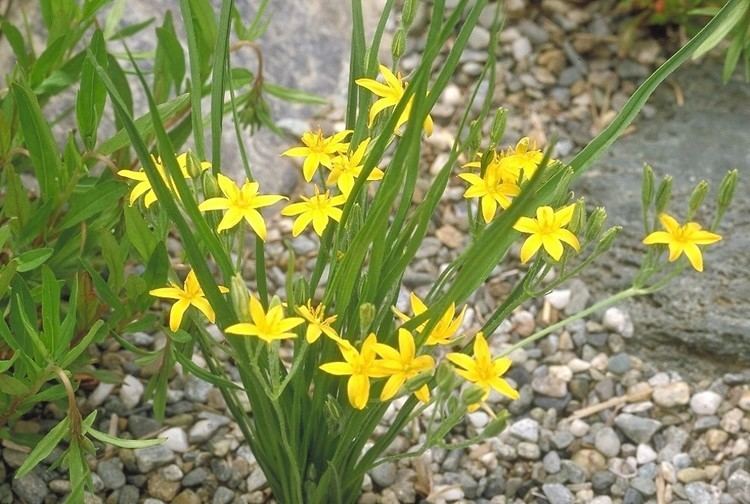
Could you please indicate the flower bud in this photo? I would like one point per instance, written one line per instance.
(240, 297)
(472, 395)
(697, 197)
(445, 377)
(578, 221)
(193, 165)
(496, 425)
(607, 239)
(498, 125)
(663, 194)
(415, 383)
(366, 316)
(726, 190)
(595, 223)
(210, 186)
(487, 158)
(409, 12)
(647, 186)
(475, 136)
(398, 46)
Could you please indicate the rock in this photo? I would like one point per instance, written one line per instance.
(636, 428)
(645, 454)
(128, 495)
(558, 298)
(256, 480)
(479, 38)
(205, 428)
(738, 486)
(521, 49)
(551, 462)
(715, 439)
(152, 457)
(131, 391)
(590, 461)
(550, 386)
(223, 495)
(619, 321)
(607, 442)
(645, 486)
(528, 451)
(111, 473)
(161, 488)
(702, 493)
(579, 428)
(197, 390)
(384, 475)
(196, 477)
(671, 395)
(526, 429)
(619, 363)
(100, 394)
(744, 402)
(684, 315)
(632, 496)
(557, 494)
(450, 236)
(705, 403)
(187, 497)
(176, 439)
(142, 426)
(172, 472)
(30, 488)
(732, 420)
(601, 481)
(691, 474)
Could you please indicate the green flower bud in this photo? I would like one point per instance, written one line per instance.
(475, 136)
(578, 221)
(210, 186)
(409, 12)
(496, 425)
(445, 377)
(398, 46)
(498, 125)
(415, 383)
(697, 197)
(193, 165)
(663, 194)
(240, 297)
(366, 316)
(647, 186)
(487, 158)
(726, 190)
(595, 223)
(472, 395)
(607, 239)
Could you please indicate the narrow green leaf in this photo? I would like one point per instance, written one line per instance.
(39, 141)
(218, 86)
(194, 57)
(50, 307)
(293, 95)
(32, 259)
(42, 449)
(131, 30)
(123, 443)
(112, 21)
(732, 14)
(82, 345)
(50, 60)
(15, 39)
(6, 275)
(139, 234)
(203, 374)
(173, 52)
(12, 385)
(91, 93)
(93, 201)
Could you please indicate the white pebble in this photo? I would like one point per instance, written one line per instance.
(619, 321)
(645, 454)
(558, 298)
(705, 403)
(131, 391)
(176, 439)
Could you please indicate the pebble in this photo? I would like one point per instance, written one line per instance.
(632, 496)
(100, 394)
(619, 363)
(521, 49)
(690, 474)
(638, 429)
(550, 385)
(702, 493)
(205, 428)
(30, 488)
(161, 488)
(705, 403)
(187, 497)
(738, 486)
(579, 428)
(195, 477)
(384, 475)
(152, 457)
(256, 480)
(223, 495)
(645, 454)
(558, 298)
(479, 38)
(618, 320)
(671, 395)
(601, 481)
(551, 462)
(529, 451)
(526, 429)
(111, 473)
(176, 439)
(131, 391)
(607, 442)
(732, 421)
(557, 493)
(744, 402)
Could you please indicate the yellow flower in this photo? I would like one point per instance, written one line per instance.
(190, 294)
(143, 187)
(682, 239)
(492, 190)
(318, 150)
(347, 167)
(547, 230)
(494, 166)
(446, 327)
(361, 366)
(525, 157)
(483, 370)
(402, 365)
(317, 322)
(390, 94)
(240, 203)
(268, 326)
(318, 209)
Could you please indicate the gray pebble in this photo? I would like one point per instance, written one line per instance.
(607, 442)
(384, 475)
(551, 462)
(636, 428)
(30, 488)
(702, 493)
(528, 451)
(195, 477)
(111, 473)
(601, 481)
(526, 429)
(222, 495)
(152, 457)
(632, 496)
(738, 486)
(619, 363)
(128, 495)
(557, 493)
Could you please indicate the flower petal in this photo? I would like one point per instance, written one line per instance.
(693, 254)
(176, 313)
(358, 390)
(530, 247)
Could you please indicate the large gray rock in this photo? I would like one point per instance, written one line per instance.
(698, 313)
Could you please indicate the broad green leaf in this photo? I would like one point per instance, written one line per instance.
(32, 259)
(173, 52)
(139, 233)
(145, 125)
(91, 93)
(42, 450)
(15, 39)
(123, 443)
(6, 275)
(50, 60)
(4, 235)
(161, 71)
(12, 385)
(92, 201)
(16, 205)
(157, 268)
(112, 21)
(39, 141)
(6, 364)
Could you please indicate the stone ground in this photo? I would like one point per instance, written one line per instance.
(607, 414)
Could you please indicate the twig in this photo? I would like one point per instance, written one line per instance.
(615, 401)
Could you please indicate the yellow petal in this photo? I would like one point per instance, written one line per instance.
(176, 313)
(658, 237)
(257, 314)
(701, 237)
(563, 216)
(214, 204)
(489, 207)
(337, 368)
(569, 238)
(481, 348)
(462, 360)
(255, 219)
(300, 223)
(358, 389)
(295, 208)
(203, 305)
(693, 254)
(406, 344)
(242, 329)
(167, 292)
(230, 219)
(227, 186)
(391, 387)
(526, 225)
(296, 152)
(553, 246)
(504, 388)
(669, 223)
(377, 88)
(530, 247)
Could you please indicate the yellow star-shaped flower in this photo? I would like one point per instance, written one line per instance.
(682, 239)
(318, 209)
(317, 322)
(390, 94)
(446, 327)
(547, 231)
(402, 365)
(240, 203)
(346, 168)
(318, 150)
(190, 294)
(268, 326)
(492, 191)
(143, 187)
(483, 370)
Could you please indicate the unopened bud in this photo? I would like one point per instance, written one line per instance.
(607, 239)
(647, 186)
(595, 223)
(240, 297)
(475, 136)
(210, 186)
(409, 12)
(726, 190)
(663, 194)
(193, 165)
(445, 377)
(562, 186)
(578, 221)
(487, 158)
(398, 46)
(366, 316)
(697, 197)
(415, 383)
(472, 395)
(498, 125)
(496, 426)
